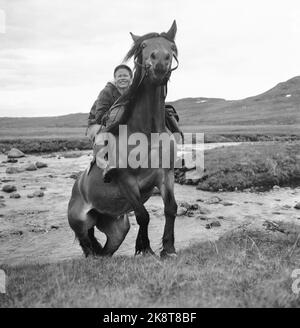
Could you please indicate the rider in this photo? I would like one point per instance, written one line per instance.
(111, 93)
(107, 97)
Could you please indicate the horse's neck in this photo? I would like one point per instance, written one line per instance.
(149, 110)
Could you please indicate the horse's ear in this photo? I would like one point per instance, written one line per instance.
(134, 37)
(172, 31)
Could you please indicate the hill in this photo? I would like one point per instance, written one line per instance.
(274, 111)
(279, 105)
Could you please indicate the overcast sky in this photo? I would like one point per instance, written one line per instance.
(55, 56)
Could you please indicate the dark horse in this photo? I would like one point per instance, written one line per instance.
(105, 205)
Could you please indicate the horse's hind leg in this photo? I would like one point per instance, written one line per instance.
(115, 230)
(166, 188)
(82, 221)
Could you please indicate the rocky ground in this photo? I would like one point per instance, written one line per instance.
(35, 190)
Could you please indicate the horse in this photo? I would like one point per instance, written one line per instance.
(106, 205)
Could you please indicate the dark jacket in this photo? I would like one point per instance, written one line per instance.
(105, 100)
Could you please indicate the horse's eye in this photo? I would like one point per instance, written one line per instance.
(143, 45)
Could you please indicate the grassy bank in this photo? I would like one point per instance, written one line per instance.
(249, 166)
(47, 143)
(243, 269)
(44, 145)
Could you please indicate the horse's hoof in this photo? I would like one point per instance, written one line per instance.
(164, 254)
(145, 252)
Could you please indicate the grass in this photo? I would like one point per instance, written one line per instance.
(52, 139)
(245, 166)
(244, 268)
(44, 145)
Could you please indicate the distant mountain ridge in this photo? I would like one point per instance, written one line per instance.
(279, 105)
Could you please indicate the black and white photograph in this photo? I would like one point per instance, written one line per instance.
(149, 157)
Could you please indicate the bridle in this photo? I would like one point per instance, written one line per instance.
(146, 67)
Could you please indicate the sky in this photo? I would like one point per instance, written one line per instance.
(56, 56)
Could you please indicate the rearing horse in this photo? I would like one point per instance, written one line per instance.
(105, 205)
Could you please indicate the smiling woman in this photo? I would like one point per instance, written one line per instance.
(107, 97)
(123, 77)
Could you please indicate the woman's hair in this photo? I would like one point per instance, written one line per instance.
(125, 67)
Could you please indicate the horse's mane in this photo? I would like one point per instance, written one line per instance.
(129, 97)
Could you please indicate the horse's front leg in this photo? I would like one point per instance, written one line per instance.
(129, 188)
(166, 187)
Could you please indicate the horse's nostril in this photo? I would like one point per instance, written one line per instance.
(168, 57)
(153, 55)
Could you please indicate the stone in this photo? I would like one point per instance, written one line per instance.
(181, 211)
(276, 187)
(40, 165)
(213, 224)
(202, 217)
(17, 232)
(225, 203)
(13, 170)
(15, 153)
(9, 188)
(12, 160)
(194, 207)
(15, 195)
(297, 206)
(213, 200)
(43, 188)
(72, 155)
(31, 167)
(204, 210)
(54, 227)
(38, 193)
(185, 204)
(7, 180)
(190, 207)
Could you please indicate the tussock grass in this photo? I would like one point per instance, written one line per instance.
(243, 269)
(251, 165)
(44, 145)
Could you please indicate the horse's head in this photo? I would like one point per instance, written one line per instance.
(154, 53)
